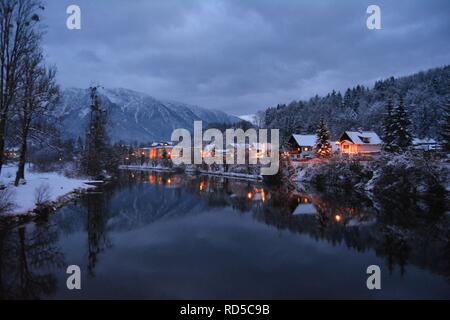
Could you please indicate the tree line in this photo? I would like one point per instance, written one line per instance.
(425, 96)
(29, 94)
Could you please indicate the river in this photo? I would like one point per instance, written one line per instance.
(164, 236)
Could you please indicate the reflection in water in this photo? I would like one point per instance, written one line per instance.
(32, 265)
(28, 255)
(95, 228)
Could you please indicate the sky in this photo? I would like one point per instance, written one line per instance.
(241, 56)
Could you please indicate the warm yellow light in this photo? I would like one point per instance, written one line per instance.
(169, 181)
(263, 196)
(338, 218)
(249, 195)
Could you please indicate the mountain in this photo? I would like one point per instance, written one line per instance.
(249, 118)
(425, 94)
(132, 116)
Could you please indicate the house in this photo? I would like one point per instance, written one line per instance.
(425, 144)
(302, 146)
(361, 143)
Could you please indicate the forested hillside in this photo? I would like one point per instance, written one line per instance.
(425, 95)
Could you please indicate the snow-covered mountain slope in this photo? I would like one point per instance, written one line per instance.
(248, 117)
(133, 116)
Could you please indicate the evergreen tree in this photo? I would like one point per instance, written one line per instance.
(96, 153)
(445, 133)
(323, 146)
(403, 138)
(388, 128)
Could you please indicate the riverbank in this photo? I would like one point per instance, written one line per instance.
(146, 168)
(52, 188)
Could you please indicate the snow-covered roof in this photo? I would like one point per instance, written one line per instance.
(417, 141)
(305, 140)
(363, 137)
(161, 144)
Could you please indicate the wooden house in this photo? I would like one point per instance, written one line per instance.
(301, 146)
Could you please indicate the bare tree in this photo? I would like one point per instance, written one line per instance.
(38, 95)
(18, 20)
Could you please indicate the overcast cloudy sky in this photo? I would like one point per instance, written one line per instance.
(241, 56)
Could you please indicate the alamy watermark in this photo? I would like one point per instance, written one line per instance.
(374, 20)
(238, 147)
(73, 22)
(74, 280)
(374, 280)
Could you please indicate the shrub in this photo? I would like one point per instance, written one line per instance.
(341, 173)
(408, 174)
(42, 194)
(6, 200)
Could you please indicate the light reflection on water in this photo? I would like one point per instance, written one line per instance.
(175, 236)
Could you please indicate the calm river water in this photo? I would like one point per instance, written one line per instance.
(159, 236)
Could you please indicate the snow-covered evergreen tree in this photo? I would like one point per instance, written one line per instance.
(323, 146)
(388, 128)
(445, 134)
(401, 124)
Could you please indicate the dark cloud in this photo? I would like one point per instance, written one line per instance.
(243, 55)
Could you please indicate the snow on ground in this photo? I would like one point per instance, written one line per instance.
(24, 195)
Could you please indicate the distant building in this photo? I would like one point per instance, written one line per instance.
(156, 151)
(12, 153)
(361, 143)
(425, 144)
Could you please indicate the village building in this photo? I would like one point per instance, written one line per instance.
(425, 144)
(359, 143)
(259, 150)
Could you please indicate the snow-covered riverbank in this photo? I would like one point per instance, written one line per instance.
(231, 175)
(24, 196)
